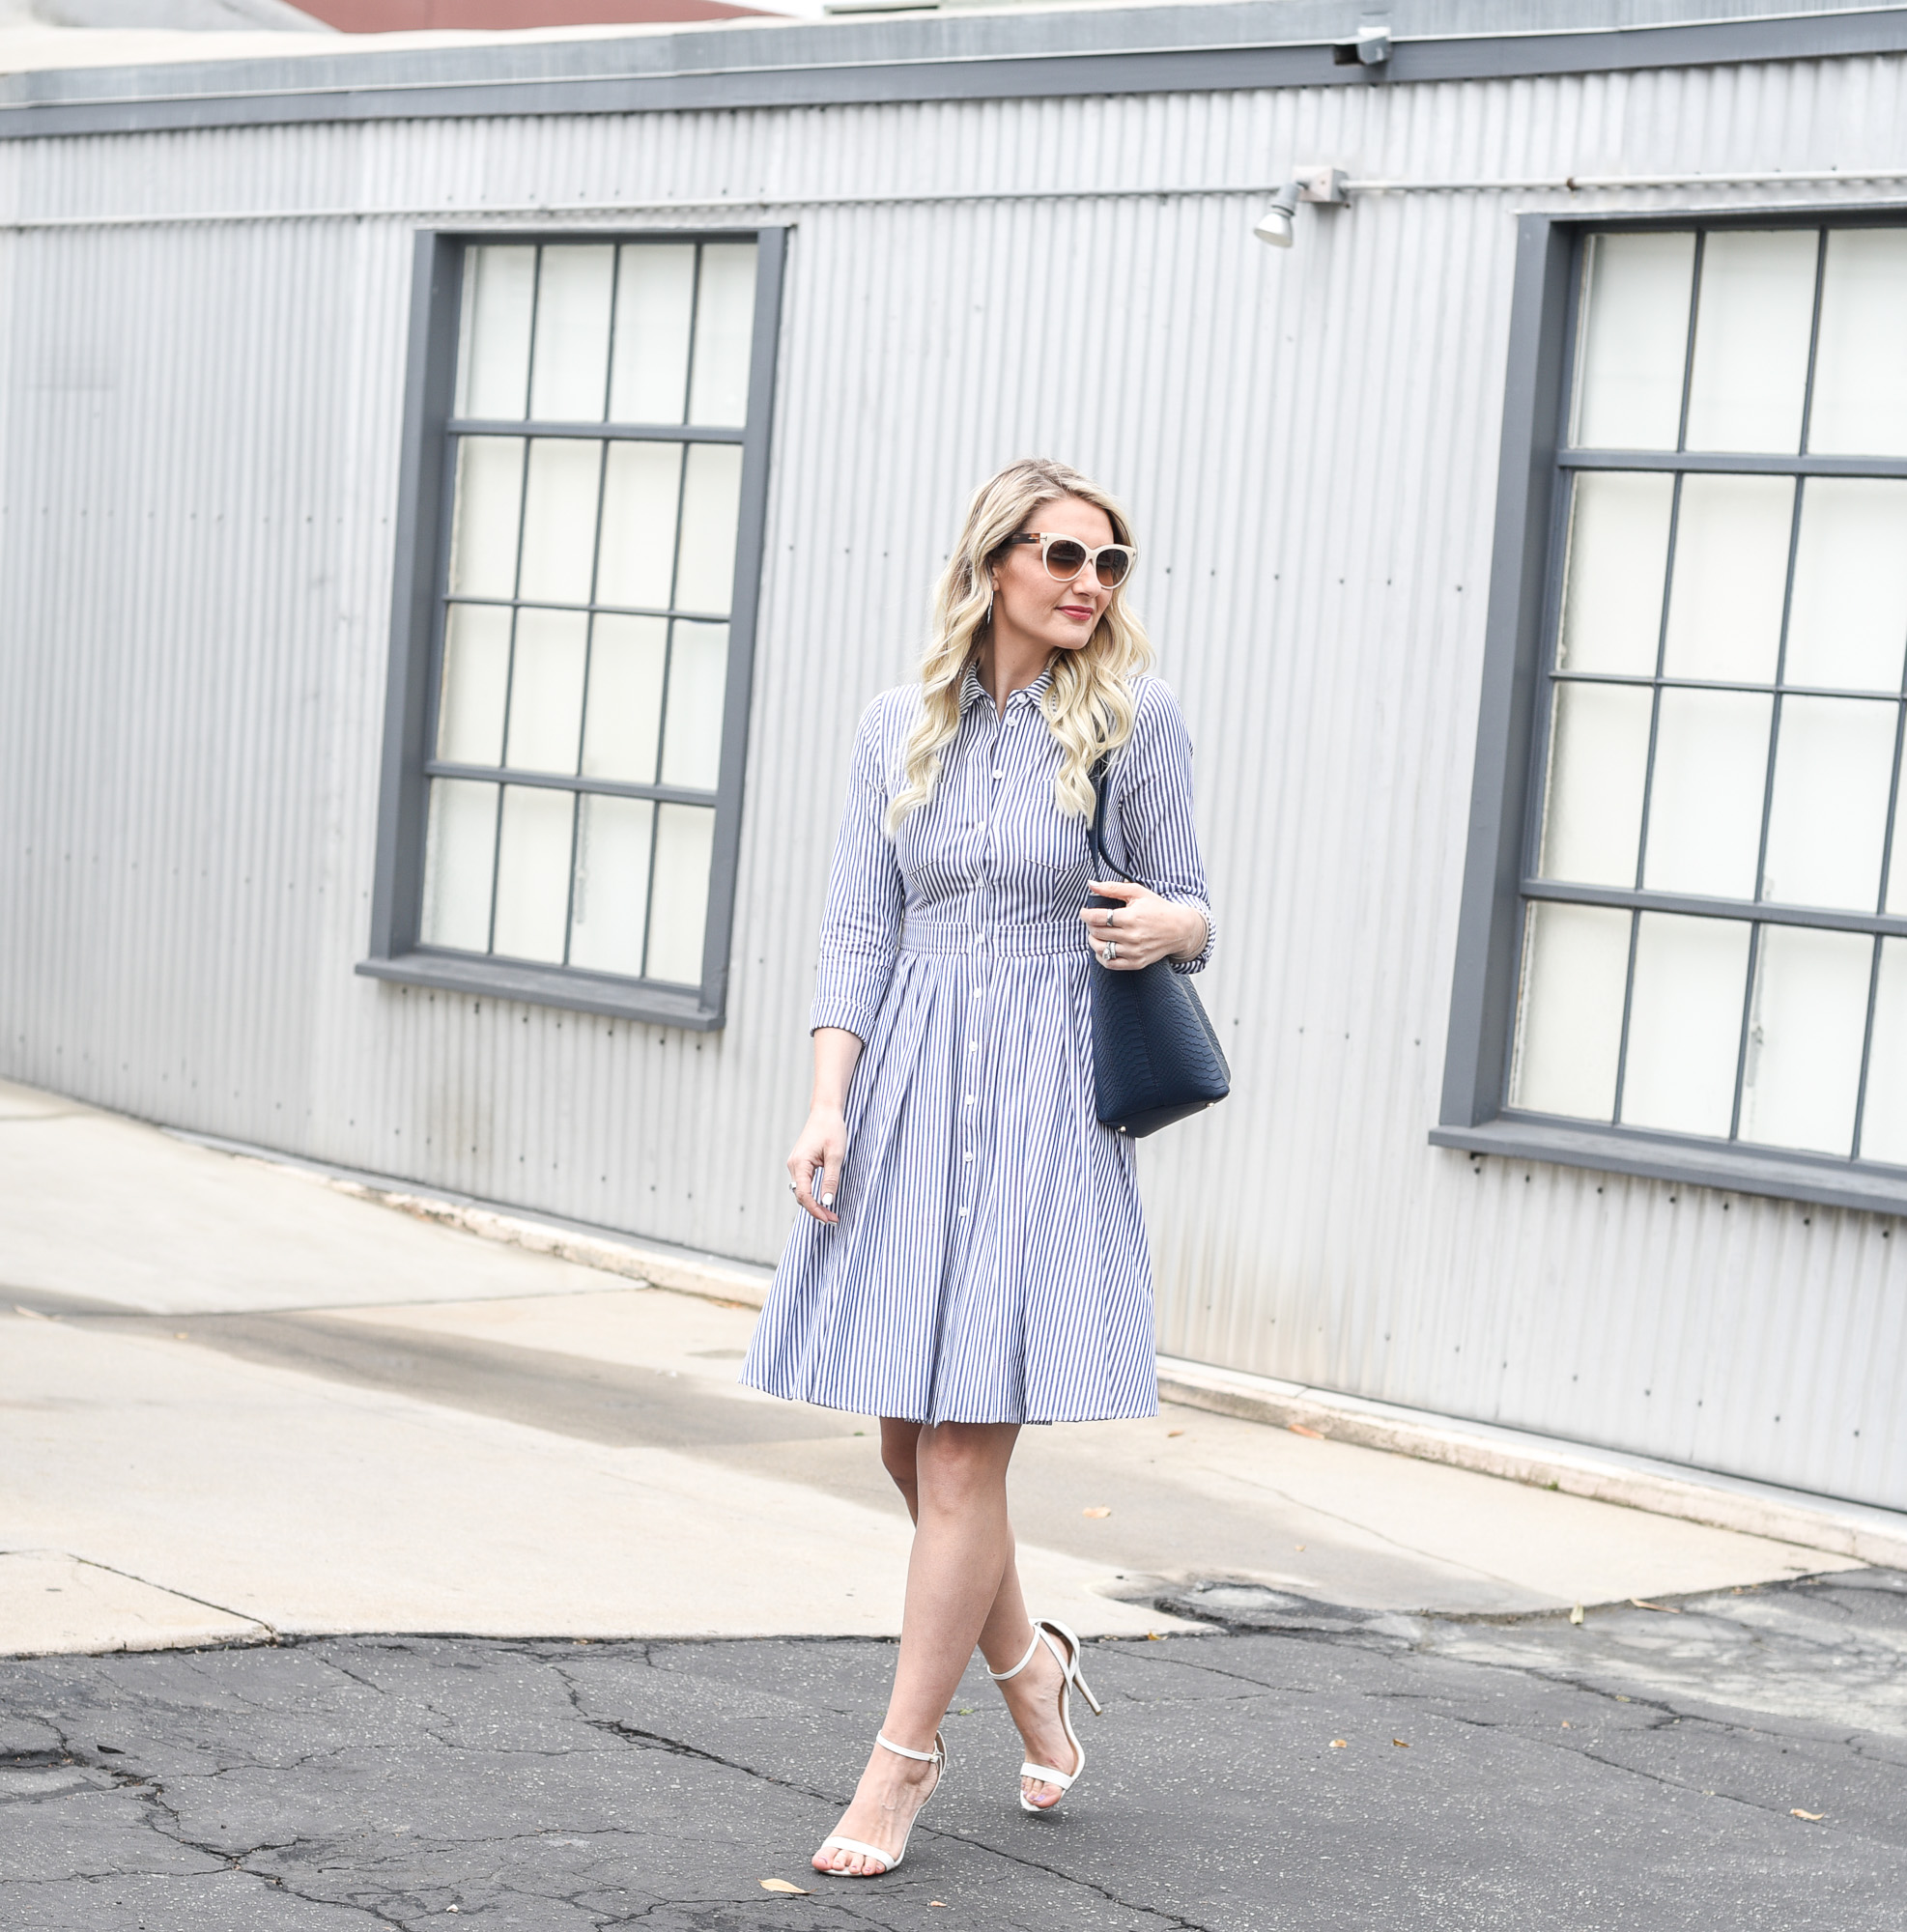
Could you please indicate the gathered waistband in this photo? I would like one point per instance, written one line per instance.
(1019, 939)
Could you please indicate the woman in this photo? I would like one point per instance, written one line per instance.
(973, 1256)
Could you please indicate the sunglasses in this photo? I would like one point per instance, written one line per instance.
(1064, 558)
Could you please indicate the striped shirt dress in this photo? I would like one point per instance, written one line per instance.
(991, 1261)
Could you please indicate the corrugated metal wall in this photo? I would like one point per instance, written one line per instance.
(199, 488)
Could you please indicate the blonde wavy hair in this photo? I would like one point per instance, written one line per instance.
(1089, 704)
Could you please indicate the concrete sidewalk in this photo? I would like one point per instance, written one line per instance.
(235, 1402)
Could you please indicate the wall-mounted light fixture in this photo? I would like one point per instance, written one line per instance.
(1315, 181)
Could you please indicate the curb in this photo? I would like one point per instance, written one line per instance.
(1868, 1535)
(654, 1268)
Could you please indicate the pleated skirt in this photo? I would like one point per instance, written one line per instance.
(990, 1262)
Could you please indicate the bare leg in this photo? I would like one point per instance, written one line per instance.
(962, 1545)
(1033, 1696)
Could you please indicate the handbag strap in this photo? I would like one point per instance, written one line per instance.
(1098, 832)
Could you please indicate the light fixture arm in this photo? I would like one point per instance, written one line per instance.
(1314, 181)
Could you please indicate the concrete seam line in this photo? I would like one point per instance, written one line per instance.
(706, 1279)
(1570, 1472)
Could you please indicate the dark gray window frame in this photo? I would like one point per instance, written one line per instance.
(416, 647)
(1511, 744)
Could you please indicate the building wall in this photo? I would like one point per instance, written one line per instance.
(200, 446)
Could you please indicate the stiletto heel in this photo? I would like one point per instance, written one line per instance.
(890, 1861)
(1052, 1635)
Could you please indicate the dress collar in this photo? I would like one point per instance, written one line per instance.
(971, 688)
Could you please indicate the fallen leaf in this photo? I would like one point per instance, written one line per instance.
(1155, 1637)
(1096, 1510)
(1668, 1609)
(1171, 1433)
(782, 1884)
(936, 1901)
(1340, 1744)
(1575, 1614)
(1565, 1723)
(1299, 1547)
(1299, 1429)
(1812, 1817)
(1400, 1743)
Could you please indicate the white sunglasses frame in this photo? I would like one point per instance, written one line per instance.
(1046, 539)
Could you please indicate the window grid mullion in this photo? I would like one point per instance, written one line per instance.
(597, 610)
(516, 580)
(1627, 1008)
(668, 636)
(509, 426)
(509, 775)
(590, 623)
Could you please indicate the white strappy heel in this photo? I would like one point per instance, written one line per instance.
(890, 1861)
(1045, 1631)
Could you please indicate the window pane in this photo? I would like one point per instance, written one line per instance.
(476, 676)
(1685, 1022)
(1634, 341)
(725, 330)
(483, 527)
(1618, 559)
(570, 374)
(1753, 322)
(1805, 1032)
(711, 502)
(642, 488)
(493, 371)
(545, 690)
(560, 519)
(1569, 1020)
(698, 673)
(1730, 575)
(685, 839)
(1847, 625)
(1884, 1117)
(1860, 374)
(1705, 803)
(1834, 764)
(532, 873)
(655, 299)
(460, 850)
(611, 884)
(626, 660)
(1599, 754)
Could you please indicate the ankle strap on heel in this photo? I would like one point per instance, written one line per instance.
(938, 1755)
(1032, 1649)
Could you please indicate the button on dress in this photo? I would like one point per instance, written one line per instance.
(990, 1262)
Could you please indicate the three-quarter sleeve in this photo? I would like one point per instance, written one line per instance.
(1149, 829)
(861, 924)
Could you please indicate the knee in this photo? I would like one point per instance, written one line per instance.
(898, 1460)
(957, 1468)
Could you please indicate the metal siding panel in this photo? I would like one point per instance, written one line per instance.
(196, 564)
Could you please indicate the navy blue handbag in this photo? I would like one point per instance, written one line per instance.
(1156, 1058)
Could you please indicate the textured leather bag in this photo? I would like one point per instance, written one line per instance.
(1156, 1057)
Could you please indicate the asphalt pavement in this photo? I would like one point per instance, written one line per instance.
(1732, 1761)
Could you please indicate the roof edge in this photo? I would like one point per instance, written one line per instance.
(1086, 51)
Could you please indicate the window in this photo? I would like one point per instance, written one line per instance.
(1710, 920)
(572, 770)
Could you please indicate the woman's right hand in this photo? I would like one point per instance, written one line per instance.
(814, 1166)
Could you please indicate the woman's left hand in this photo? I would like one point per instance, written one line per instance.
(1142, 928)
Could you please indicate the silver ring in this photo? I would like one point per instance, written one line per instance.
(1112, 913)
(1112, 950)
